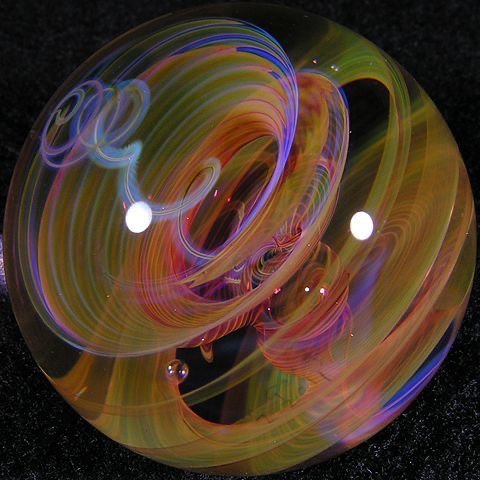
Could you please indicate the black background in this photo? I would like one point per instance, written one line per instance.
(41, 42)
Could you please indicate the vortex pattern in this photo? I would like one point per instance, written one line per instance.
(184, 255)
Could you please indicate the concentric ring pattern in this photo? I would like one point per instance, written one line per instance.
(240, 239)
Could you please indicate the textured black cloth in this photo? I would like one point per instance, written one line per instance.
(41, 42)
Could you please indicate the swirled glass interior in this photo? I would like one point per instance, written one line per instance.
(240, 239)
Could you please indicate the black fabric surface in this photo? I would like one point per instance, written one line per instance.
(41, 437)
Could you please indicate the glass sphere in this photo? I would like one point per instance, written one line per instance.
(239, 239)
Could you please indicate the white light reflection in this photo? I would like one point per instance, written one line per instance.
(138, 217)
(361, 225)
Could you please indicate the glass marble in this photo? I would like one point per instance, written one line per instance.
(239, 239)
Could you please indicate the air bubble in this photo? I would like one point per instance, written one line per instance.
(177, 371)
